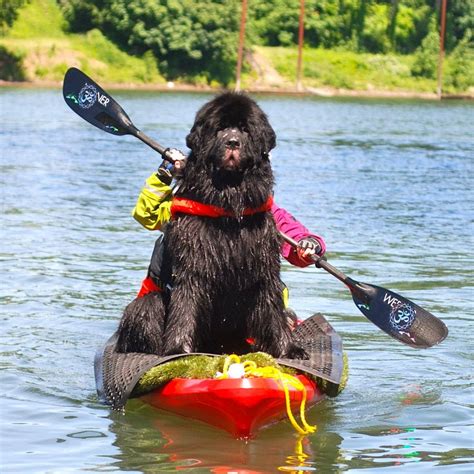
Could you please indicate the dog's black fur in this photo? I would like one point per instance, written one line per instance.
(225, 272)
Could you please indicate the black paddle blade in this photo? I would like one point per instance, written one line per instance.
(93, 104)
(400, 318)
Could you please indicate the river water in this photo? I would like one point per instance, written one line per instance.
(387, 183)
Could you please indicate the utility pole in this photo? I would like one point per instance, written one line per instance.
(441, 48)
(299, 86)
(240, 52)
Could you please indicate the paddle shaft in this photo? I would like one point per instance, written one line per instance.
(320, 262)
(151, 143)
(128, 125)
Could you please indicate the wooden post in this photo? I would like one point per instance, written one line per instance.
(299, 86)
(441, 48)
(240, 52)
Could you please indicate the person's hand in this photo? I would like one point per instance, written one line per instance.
(308, 247)
(172, 166)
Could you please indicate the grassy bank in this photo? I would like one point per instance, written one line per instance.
(358, 71)
(348, 70)
(38, 49)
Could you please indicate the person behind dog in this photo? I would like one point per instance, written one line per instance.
(152, 211)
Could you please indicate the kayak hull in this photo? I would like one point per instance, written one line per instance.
(239, 406)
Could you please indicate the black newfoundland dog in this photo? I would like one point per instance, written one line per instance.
(223, 272)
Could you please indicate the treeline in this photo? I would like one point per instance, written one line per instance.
(197, 38)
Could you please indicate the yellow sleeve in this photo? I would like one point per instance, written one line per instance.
(152, 209)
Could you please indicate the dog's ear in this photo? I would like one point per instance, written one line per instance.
(262, 131)
(264, 134)
(193, 138)
(270, 139)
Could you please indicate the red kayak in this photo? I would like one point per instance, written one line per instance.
(240, 406)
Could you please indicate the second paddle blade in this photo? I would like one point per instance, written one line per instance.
(399, 317)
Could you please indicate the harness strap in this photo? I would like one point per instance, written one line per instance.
(188, 206)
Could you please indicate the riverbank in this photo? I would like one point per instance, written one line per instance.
(44, 65)
(257, 89)
(37, 51)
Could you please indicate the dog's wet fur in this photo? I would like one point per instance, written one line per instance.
(224, 272)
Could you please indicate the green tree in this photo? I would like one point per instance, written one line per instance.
(375, 35)
(8, 13)
(273, 23)
(426, 56)
(409, 24)
(328, 23)
(366, 25)
(82, 15)
(459, 22)
(188, 37)
(460, 65)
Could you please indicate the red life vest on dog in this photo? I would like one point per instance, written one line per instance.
(195, 208)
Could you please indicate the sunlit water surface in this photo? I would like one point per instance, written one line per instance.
(388, 184)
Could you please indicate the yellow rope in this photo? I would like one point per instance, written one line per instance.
(286, 380)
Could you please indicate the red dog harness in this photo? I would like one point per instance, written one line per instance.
(195, 208)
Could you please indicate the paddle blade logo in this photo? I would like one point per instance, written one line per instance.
(87, 96)
(402, 316)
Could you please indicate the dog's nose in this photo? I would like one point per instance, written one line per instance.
(233, 142)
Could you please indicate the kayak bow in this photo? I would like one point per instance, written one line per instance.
(239, 406)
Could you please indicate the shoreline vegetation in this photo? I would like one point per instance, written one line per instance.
(36, 50)
(322, 92)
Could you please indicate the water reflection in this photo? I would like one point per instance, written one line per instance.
(152, 440)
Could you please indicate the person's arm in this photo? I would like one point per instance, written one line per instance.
(153, 207)
(287, 224)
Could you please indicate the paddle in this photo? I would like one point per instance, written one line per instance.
(397, 316)
(94, 105)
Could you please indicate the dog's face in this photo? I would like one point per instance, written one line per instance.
(229, 143)
(230, 135)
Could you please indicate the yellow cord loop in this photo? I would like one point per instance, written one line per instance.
(251, 370)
